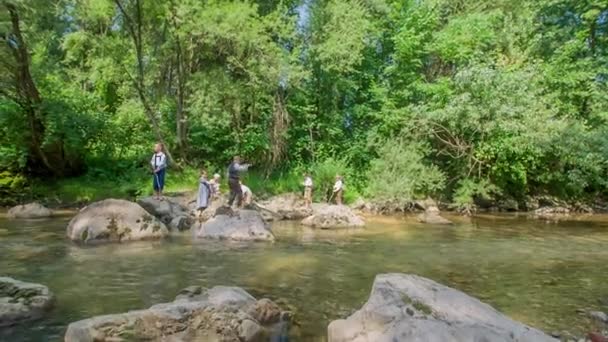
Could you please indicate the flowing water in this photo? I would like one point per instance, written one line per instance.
(534, 271)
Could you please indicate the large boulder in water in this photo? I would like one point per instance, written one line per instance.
(21, 301)
(333, 216)
(30, 210)
(242, 225)
(288, 206)
(173, 214)
(219, 314)
(404, 307)
(114, 220)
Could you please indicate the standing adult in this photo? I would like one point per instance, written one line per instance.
(159, 166)
(234, 170)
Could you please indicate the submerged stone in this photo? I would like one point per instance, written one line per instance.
(405, 307)
(431, 214)
(29, 211)
(21, 301)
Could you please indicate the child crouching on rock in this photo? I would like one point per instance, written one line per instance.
(203, 199)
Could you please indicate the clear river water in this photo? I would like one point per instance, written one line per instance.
(535, 271)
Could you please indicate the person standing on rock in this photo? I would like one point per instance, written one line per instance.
(307, 190)
(338, 190)
(205, 190)
(159, 165)
(234, 170)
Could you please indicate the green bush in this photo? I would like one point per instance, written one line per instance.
(401, 174)
(324, 178)
(276, 183)
(13, 187)
(468, 191)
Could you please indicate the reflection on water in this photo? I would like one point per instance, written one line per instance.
(536, 272)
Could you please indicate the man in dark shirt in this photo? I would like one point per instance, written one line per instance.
(234, 170)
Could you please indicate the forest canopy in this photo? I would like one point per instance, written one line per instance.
(456, 99)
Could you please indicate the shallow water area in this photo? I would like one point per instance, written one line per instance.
(536, 271)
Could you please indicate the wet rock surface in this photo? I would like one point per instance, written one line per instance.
(197, 314)
(288, 206)
(229, 224)
(327, 216)
(29, 211)
(169, 211)
(431, 214)
(404, 307)
(114, 220)
(21, 301)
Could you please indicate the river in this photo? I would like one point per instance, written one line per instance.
(534, 271)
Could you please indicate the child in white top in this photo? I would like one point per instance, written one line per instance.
(159, 165)
(307, 190)
(338, 190)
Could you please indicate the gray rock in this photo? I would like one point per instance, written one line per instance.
(288, 206)
(556, 210)
(242, 225)
(169, 211)
(29, 211)
(21, 301)
(250, 330)
(114, 220)
(333, 216)
(405, 307)
(508, 204)
(210, 212)
(598, 316)
(265, 311)
(426, 204)
(218, 314)
(359, 204)
(431, 216)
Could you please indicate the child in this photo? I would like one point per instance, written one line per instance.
(203, 200)
(215, 185)
(159, 165)
(338, 189)
(307, 190)
(247, 194)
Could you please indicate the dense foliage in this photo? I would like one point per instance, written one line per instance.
(452, 98)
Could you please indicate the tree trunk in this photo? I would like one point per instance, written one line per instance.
(30, 101)
(180, 115)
